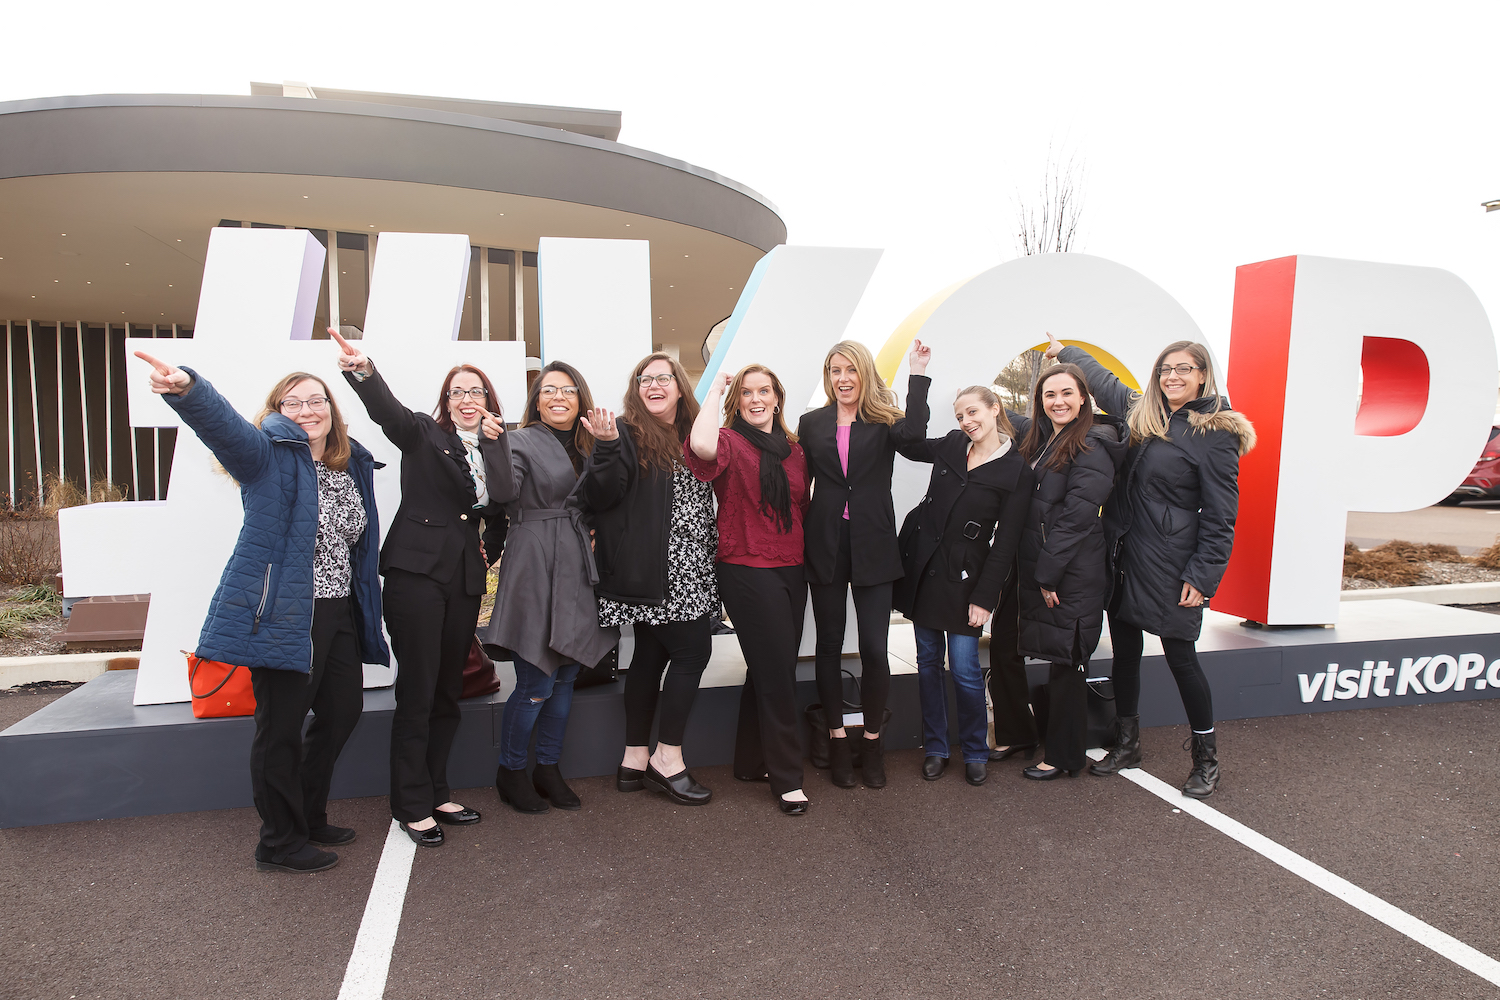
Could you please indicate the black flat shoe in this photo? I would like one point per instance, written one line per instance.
(331, 836)
(932, 767)
(762, 776)
(1039, 774)
(974, 772)
(1029, 749)
(431, 837)
(305, 861)
(680, 787)
(628, 779)
(463, 817)
(792, 808)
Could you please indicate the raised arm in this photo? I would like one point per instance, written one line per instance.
(1113, 396)
(238, 444)
(611, 465)
(401, 426)
(704, 439)
(912, 428)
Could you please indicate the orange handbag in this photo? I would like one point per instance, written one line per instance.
(220, 690)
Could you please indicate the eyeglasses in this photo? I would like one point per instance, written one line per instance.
(1166, 370)
(548, 391)
(479, 393)
(663, 380)
(291, 407)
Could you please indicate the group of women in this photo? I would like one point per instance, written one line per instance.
(660, 517)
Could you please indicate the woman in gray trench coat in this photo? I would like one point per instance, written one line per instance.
(545, 610)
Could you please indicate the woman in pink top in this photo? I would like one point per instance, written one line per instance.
(760, 478)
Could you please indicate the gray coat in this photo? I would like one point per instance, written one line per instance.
(545, 610)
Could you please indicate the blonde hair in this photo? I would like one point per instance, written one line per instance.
(877, 403)
(336, 448)
(1149, 414)
(732, 397)
(989, 396)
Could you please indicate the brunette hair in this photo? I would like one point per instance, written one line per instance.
(582, 439)
(659, 445)
(877, 403)
(1070, 440)
(732, 398)
(442, 414)
(989, 397)
(336, 445)
(1149, 414)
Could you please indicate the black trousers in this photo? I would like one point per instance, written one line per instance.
(682, 650)
(1009, 693)
(872, 613)
(432, 627)
(290, 773)
(1067, 716)
(766, 606)
(1182, 657)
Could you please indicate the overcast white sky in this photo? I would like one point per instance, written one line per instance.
(1214, 134)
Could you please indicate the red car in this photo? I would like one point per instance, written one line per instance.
(1484, 482)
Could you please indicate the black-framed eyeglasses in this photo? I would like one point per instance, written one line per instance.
(291, 407)
(548, 391)
(662, 380)
(477, 393)
(1184, 370)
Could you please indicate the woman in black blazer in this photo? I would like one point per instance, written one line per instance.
(434, 567)
(851, 446)
(1064, 567)
(978, 494)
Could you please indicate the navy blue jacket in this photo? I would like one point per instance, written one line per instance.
(261, 614)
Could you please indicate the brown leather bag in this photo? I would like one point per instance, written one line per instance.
(479, 673)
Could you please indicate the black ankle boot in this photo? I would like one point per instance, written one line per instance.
(1126, 753)
(1205, 777)
(549, 783)
(841, 761)
(872, 763)
(516, 791)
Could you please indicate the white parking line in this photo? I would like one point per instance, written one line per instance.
(1419, 931)
(364, 978)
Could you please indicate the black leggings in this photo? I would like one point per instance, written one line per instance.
(1182, 657)
(687, 646)
(872, 612)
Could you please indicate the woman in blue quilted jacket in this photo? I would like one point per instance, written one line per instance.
(299, 601)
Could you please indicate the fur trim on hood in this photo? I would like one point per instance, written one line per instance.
(1226, 420)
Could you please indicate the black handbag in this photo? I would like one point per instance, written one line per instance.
(606, 671)
(1103, 724)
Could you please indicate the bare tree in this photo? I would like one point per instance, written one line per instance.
(1049, 224)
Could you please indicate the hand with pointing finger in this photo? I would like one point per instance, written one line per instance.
(491, 425)
(920, 355)
(601, 423)
(351, 358)
(1054, 346)
(166, 380)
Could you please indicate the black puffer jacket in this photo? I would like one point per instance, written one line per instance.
(1171, 519)
(1063, 548)
(631, 511)
(958, 545)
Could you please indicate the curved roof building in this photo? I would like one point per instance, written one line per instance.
(106, 203)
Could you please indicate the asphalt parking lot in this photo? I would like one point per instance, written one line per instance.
(1082, 887)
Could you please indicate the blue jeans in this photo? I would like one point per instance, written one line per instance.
(968, 684)
(538, 702)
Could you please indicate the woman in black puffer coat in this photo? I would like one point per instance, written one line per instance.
(1064, 573)
(1171, 525)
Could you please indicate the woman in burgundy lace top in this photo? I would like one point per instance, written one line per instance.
(759, 474)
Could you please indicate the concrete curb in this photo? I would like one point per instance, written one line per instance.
(1442, 593)
(79, 667)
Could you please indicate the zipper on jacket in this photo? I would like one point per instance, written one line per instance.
(265, 592)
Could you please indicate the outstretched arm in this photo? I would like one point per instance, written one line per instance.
(1113, 396)
(238, 444)
(401, 426)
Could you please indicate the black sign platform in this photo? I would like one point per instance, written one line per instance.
(93, 755)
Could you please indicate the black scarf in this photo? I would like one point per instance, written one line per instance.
(775, 491)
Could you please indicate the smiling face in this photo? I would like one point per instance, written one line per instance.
(558, 407)
(315, 422)
(1061, 399)
(1177, 388)
(844, 378)
(660, 400)
(466, 412)
(975, 418)
(758, 401)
